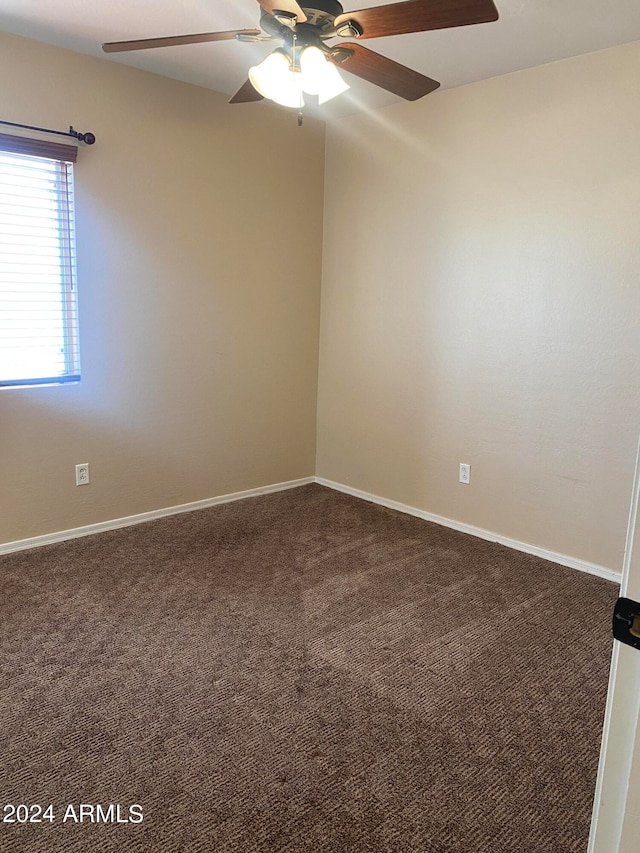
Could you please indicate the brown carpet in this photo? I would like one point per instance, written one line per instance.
(300, 672)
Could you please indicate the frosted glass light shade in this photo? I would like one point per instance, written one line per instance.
(312, 68)
(320, 77)
(275, 80)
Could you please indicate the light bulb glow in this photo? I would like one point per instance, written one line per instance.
(312, 68)
(319, 76)
(274, 79)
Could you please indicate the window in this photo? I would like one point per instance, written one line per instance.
(38, 310)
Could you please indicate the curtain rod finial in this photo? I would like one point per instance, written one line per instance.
(88, 137)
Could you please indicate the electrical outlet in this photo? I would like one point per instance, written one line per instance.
(465, 473)
(82, 474)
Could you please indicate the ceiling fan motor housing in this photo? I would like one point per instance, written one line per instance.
(320, 17)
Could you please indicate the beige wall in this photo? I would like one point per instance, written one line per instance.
(481, 303)
(199, 230)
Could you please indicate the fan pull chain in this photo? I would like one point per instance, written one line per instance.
(294, 64)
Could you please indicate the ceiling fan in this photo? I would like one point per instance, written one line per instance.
(304, 32)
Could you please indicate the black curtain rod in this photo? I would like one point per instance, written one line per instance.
(87, 137)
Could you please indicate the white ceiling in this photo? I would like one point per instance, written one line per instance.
(529, 33)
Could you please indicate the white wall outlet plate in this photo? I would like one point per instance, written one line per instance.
(82, 474)
(465, 473)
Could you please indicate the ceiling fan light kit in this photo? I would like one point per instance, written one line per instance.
(306, 64)
(284, 79)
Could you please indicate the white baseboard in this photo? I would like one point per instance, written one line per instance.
(114, 524)
(561, 559)
(127, 521)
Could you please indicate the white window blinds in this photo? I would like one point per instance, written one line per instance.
(38, 305)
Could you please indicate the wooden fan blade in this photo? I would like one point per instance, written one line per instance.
(246, 94)
(416, 16)
(386, 73)
(285, 6)
(173, 41)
